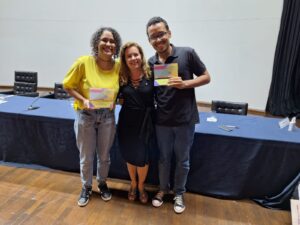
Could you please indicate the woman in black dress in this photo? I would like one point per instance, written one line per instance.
(135, 120)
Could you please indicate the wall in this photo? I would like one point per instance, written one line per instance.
(236, 39)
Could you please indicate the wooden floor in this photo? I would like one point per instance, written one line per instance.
(31, 196)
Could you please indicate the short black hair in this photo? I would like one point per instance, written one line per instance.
(155, 20)
(96, 39)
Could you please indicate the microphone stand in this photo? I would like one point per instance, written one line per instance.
(31, 107)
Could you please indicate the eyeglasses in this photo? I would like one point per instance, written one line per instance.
(158, 35)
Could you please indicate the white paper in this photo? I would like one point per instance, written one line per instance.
(2, 101)
(292, 124)
(211, 119)
(2, 97)
(295, 211)
(283, 123)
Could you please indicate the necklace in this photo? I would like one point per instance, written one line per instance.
(136, 82)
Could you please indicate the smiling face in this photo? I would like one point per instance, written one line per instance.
(159, 37)
(107, 45)
(133, 58)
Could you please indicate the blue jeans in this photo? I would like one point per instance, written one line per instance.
(95, 131)
(177, 140)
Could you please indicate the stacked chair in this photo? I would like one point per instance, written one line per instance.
(25, 84)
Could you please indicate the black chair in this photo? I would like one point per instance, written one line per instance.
(25, 84)
(59, 92)
(239, 108)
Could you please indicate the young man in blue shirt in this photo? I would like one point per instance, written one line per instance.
(176, 113)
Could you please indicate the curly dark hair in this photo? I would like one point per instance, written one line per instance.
(96, 39)
(155, 20)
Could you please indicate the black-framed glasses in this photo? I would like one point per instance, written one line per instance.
(158, 35)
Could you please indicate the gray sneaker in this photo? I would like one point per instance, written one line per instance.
(84, 197)
(179, 206)
(104, 191)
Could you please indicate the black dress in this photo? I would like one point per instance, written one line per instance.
(135, 126)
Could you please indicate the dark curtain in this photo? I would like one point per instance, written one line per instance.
(284, 93)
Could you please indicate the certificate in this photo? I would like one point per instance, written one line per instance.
(101, 98)
(162, 73)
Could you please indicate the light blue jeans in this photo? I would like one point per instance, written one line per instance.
(95, 132)
(177, 140)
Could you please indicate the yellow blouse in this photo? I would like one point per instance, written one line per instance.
(85, 74)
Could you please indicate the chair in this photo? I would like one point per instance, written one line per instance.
(59, 92)
(239, 108)
(25, 84)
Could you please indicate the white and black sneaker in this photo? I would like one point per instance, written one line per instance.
(104, 191)
(179, 206)
(157, 201)
(84, 197)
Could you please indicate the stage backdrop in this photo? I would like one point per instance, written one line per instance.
(235, 39)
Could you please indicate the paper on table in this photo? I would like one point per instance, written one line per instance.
(2, 97)
(211, 119)
(2, 101)
(283, 123)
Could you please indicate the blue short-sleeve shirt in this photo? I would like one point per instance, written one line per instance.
(178, 106)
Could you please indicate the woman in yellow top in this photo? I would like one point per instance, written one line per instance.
(94, 83)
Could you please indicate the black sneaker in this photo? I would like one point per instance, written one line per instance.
(179, 206)
(104, 191)
(84, 197)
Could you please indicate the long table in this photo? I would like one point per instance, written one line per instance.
(257, 160)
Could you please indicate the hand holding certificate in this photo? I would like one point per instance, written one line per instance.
(101, 98)
(163, 72)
